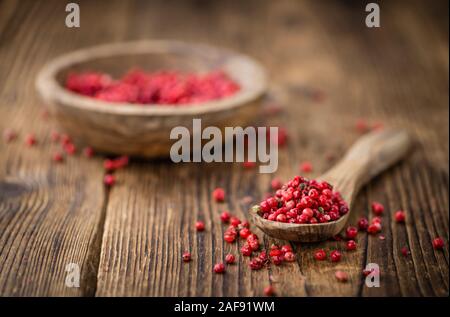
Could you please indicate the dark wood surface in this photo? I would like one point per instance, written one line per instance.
(326, 69)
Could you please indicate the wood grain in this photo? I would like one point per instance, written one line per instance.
(326, 70)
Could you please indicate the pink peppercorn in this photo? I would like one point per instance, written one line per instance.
(109, 180)
(341, 276)
(277, 260)
(351, 245)
(286, 248)
(200, 226)
(30, 139)
(351, 232)
(363, 224)
(219, 194)
(9, 135)
(235, 221)
(248, 164)
(244, 233)
(230, 259)
(108, 164)
(186, 256)
(70, 148)
(246, 250)
(256, 263)
(219, 268)
(58, 157)
(276, 184)
(225, 217)
(320, 255)
(269, 290)
(374, 228)
(400, 216)
(405, 251)
(377, 208)
(54, 136)
(376, 220)
(254, 244)
(361, 125)
(438, 243)
(275, 251)
(229, 237)
(335, 256)
(306, 167)
(88, 151)
(289, 256)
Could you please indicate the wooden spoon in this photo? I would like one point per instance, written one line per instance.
(369, 156)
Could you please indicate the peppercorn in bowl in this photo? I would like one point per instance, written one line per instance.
(125, 98)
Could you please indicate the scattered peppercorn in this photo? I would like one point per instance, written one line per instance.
(269, 291)
(225, 217)
(30, 139)
(219, 194)
(361, 126)
(256, 263)
(88, 151)
(377, 208)
(246, 250)
(306, 167)
(289, 256)
(219, 268)
(400, 216)
(438, 243)
(234, 221)
(70, 148)
(320, 255)
(244, 233)
(374, 228)
(351, 245)
(341, 276)
(109, 180)
(186, 256)
(9, 135)
(230, 259)
(405, 251)
(363, 224)
(351, 232)
(248, 164)
(58, 157)
(335, 256)
(276, 184)
(200, 226)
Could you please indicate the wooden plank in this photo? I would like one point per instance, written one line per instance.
(50, 214)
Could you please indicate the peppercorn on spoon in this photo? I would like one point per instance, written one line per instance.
(369, 156)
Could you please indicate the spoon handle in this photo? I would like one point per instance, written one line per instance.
(368, 157)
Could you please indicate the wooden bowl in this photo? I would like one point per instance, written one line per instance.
(143, 130)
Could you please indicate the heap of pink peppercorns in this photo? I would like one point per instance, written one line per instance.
(163, 87)
(303, 201)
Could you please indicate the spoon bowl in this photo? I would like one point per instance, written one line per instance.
(368, 157)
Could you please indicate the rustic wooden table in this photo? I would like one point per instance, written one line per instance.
(326, 68)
